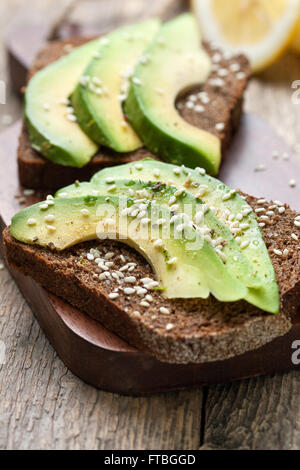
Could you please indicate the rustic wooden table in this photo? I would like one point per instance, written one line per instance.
(42, 405)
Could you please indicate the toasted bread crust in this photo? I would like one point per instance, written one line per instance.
(225, 107)
(203, 330)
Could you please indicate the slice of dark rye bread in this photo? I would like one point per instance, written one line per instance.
(225, 89)
(194, 330)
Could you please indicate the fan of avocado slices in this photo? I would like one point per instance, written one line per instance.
(176, 61)
(228, 206)
(200, 236)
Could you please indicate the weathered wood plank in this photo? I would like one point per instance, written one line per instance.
(42, 405)
(262, 413)
(255, 414)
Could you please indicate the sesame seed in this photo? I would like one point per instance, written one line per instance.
(241, 75)
(270, 213)
(189, 105)
(172, 200)
(51, 228)
(234, 67)
(172, 261)
(46, 106)
(164, 310)
(220, 126)
(281, 210)
(109, 180)
(262, 224)
(285, 253)
(49, 218)
(285, 156)
(275, 155)
(130, 279)
(277, 252)
(109, 255)
(169, 326)
(217, 82)
(136, 314)
(113, 295)
(261, 201)
(202, 171)
(158, 243)
(31, 222)
(104, 41)
(138, 166)
(85, 212)
(90, 257)
(145, 221)
(245, 244)
(297, 223)
(149, 298)
(144, 304)
(129, 291)
(223, 72)
(217, 57)
(278, 203)
(292, 183)
(136, 80)
(156, 172)
(44, 206)
(141, 291)
(199, 108)
(205, 99)
(151, 285)
(260, 210)
(28, 192)
(176, 171)
(295, 237)
(1, 266)
(260, 168)
(71, 117)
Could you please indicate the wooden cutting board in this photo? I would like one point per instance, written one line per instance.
(100, 357)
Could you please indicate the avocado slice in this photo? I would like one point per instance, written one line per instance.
(99, 95)
(176, 62)
(52, 126)
(200, 215)
(229, 207)
(70, 221)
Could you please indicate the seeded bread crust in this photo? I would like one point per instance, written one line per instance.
(201, 330)
(225, 107)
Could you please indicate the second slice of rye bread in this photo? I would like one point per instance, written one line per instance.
(224, 107)
(189, 331)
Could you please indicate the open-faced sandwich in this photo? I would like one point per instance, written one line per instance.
(145, 90)
(167, 257)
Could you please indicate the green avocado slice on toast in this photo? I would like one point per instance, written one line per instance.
(51, 123)
(227, 204)
(99, 95)
(183, 272)
(175, 62)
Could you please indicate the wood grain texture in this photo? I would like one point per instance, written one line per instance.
(42, 405)
(262, 413)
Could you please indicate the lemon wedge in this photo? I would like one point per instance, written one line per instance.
(261, 29)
